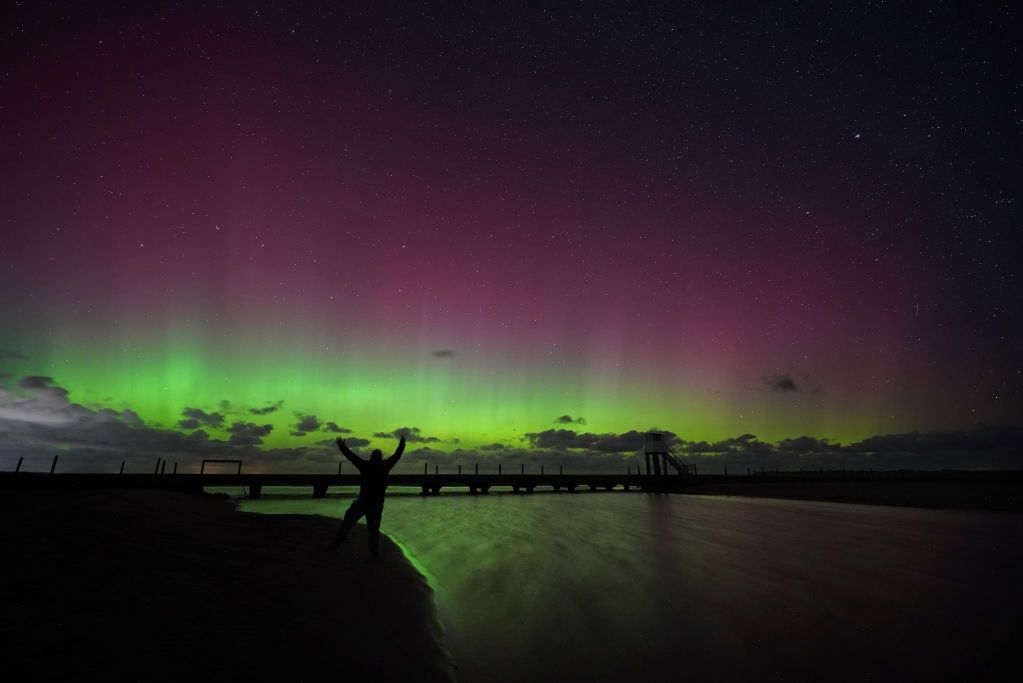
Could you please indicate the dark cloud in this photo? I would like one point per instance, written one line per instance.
(979, 438)
(790, 383)
(807, 444)
(266, 410)
(745, 443)
(248, 433)
(41, 383)
(335, 428)
(605, 443)
(12, 355)
(411, 434)
(305, 424)
(568, 419)
(780, 382)
(351, 441)
(443, 353)
(39, 420)
(194, 417)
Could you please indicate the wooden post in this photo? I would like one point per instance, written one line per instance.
(459, 470)
(561, 469)
(163, 467)
(522, 469)
(436, 470)
(424, 469)
(541, 470)
(339, 467)
(726, 469)
(499, 469)
(122, 468)
(157, 470)
(53, 467)
(477, 468)
(18, 468)
(175, 469)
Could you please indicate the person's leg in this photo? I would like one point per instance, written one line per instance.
(355, 511)
(373, 515)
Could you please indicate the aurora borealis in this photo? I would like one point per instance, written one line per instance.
(473, 221)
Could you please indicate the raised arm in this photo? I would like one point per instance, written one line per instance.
(393, 460)
(347, 452)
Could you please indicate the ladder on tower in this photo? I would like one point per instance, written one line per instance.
(674, 461)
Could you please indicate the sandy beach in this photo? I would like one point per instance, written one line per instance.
(149, 585)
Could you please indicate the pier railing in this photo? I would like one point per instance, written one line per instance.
(435, 479)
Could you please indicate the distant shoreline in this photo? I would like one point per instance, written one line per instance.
(1000, 496)
(154, 585)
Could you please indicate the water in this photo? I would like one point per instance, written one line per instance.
(616, 586)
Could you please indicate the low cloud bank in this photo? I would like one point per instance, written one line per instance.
(37, 420)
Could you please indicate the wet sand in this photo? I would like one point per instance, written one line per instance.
(149, 585)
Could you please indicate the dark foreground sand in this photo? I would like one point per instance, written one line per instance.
(148, 585)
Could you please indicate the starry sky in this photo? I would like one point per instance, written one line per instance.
(261, 226)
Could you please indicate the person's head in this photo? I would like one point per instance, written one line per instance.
(376, 455)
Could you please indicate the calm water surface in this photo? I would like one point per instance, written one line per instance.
(627, 586)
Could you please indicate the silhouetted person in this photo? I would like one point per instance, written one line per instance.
(372, 487)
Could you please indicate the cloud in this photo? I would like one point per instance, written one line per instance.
(411, 434)
(790, 383)
(266, 410)
(40, 401)
(979, 438)
(305, 424)
(568, 419)
(335, 428)
(443, 353)
(780, 382)
(194, 417)
(248, 433)
(38, 419)
(12, 355)
(351, 441)
(625, 442)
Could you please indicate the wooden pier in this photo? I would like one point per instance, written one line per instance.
(984, 489)
(427, 484)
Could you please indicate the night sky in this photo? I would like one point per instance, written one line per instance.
(251, 228)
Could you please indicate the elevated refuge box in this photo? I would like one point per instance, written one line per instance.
(656, 442)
